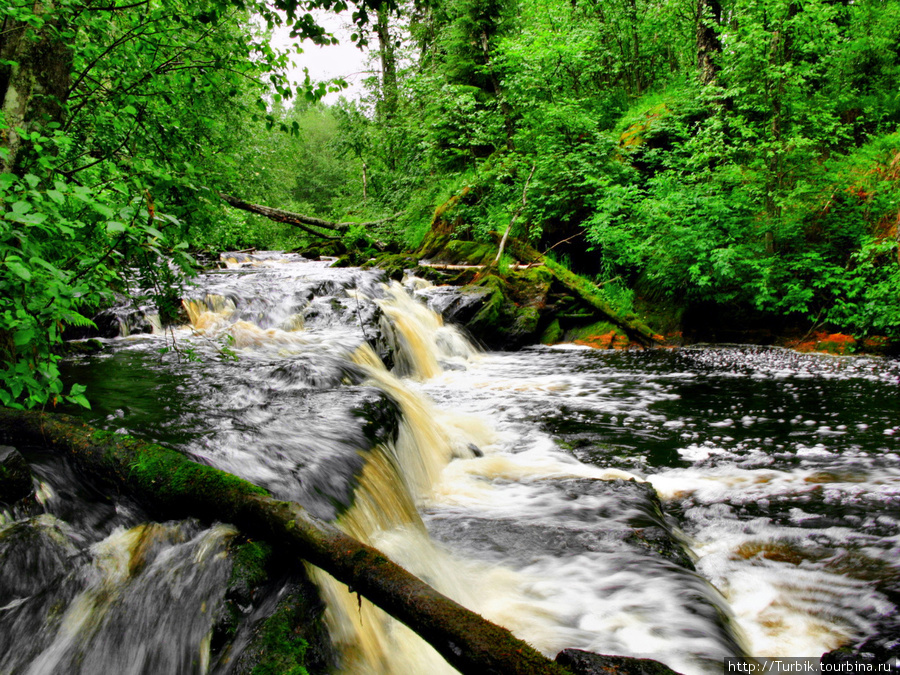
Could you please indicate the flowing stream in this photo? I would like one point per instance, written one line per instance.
(499, 478)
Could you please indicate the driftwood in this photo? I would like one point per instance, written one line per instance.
(173, 486)
(305, 223)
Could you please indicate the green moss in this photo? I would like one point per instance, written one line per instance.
(527, 319)
(394, 264)
(552, 334)
(168, 472)
(441, 248)
(469, 252)
(283, 648)
(592, 330)
(250, 561)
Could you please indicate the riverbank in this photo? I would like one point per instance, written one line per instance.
(530, 299)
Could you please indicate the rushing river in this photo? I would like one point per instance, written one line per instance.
(778, 474)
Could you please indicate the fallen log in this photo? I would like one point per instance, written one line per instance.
(304, 222)
(587, 292)
(172, 486)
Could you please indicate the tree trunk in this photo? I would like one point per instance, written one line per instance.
(389, 94)
(172, 486)
(35, 68)
(298, 219)
(709, 48)
(498, 92)
(515, 216)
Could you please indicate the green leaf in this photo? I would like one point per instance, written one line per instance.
(102, 209)
(23, 337)
(114, 226)
(30, 218)
(19, 269)
(20, 208)
(80, 400)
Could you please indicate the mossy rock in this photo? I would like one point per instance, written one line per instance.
(352, 258)
(600, 334)
(469, 252)
(512, 311)
(292, 639)
(552, 333)
(442, 248)
(272, 615)
(324, 248)
(393, 264)
(80, 348)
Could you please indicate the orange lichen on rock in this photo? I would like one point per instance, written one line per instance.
(611, 340)
(829, 343)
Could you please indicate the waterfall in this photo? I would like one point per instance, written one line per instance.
(518, 484)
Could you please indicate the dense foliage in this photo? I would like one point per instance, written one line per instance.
(694, 152)
(117, 124)
(742, 154)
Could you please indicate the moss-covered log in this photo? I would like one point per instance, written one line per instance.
(298, 219)
(173, 486)
(442, 250)
(586, 291)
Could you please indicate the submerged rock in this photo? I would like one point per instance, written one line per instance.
(15, 476)
(33, 554)
(620, 517)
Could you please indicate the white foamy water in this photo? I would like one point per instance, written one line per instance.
(779, 483)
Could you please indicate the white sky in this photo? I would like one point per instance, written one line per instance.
(342, 60)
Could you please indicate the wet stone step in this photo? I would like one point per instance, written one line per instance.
(618, 516)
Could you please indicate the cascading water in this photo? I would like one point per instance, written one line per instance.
(490, 476)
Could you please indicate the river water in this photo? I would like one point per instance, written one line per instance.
(502, 485)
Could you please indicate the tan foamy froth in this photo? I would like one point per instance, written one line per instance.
(427, 438)
(418, 336)
(417, 469)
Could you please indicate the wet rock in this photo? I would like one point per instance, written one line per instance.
(512, 310)
(393, 265)
(587, 663)
(875, 649)
(325, 248)
(81, 348)
(457, 305)
(623, 518)
(317, 465)
(33, 554)
(15, 476)
(272, 619)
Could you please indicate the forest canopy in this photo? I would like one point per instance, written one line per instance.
(682, 152)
